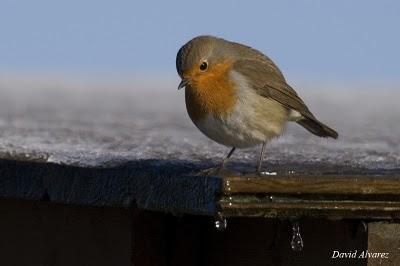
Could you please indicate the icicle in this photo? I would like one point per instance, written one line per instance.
(220, 222)
(297, 242)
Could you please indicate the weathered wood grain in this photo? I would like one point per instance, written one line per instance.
(383, 244)
(320, 196)
(314, 184)
(151, 185)
(311, 208)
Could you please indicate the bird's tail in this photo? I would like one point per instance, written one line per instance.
(317, 128)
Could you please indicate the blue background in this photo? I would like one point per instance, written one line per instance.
(336, 40)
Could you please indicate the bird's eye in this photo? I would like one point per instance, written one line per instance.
(203, 66)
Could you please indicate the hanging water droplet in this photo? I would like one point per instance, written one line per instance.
(220, 222)
(271, 198)
(297, 242)
(364, 226)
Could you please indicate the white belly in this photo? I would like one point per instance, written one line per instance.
(255, 119)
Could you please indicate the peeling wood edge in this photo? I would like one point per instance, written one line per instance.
(316, 209)
(313, 184)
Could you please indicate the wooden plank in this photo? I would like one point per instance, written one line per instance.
(383, 244)
(312, 208)
(151, 184)
(314, 184)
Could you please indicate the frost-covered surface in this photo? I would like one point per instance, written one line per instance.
(110, 124)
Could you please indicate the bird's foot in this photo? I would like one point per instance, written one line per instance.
(216, 171)
(212, 171)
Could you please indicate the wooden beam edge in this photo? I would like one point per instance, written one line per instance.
(313, 184)
(312, 208)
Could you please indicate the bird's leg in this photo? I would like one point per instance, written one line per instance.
(261, 159)
(218, 169)
(224, 161)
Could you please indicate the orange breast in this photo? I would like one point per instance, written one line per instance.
(210, 92)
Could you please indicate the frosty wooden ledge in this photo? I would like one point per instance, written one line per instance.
(172, 187)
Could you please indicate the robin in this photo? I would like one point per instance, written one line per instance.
(238, 97)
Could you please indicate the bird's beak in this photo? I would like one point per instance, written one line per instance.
(184, 83)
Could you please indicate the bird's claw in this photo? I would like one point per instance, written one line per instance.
(212, 171)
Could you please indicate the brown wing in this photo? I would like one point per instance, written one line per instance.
(268, 81)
